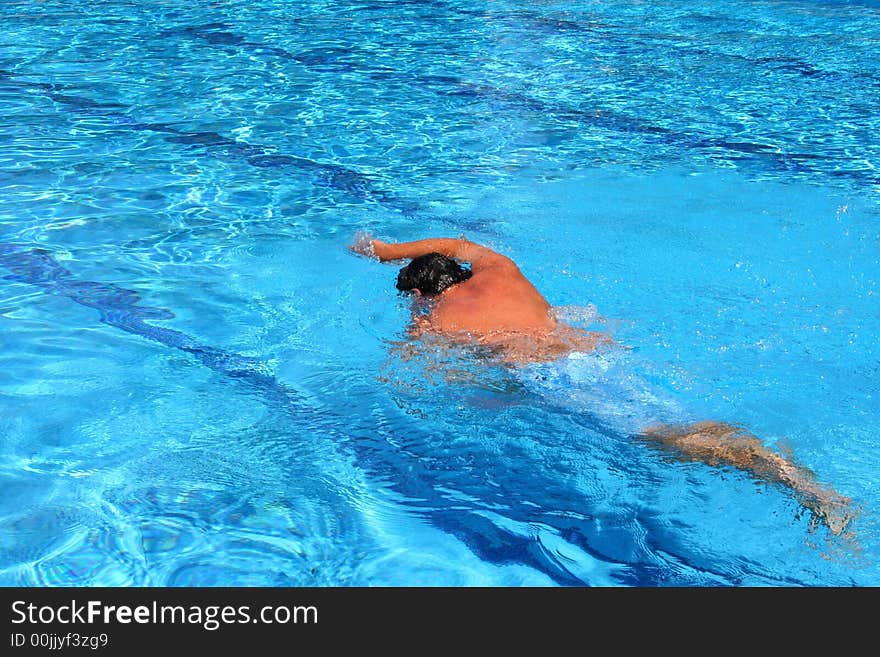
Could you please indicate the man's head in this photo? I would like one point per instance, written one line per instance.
(431, 273)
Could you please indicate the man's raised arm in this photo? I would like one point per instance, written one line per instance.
(459, 249)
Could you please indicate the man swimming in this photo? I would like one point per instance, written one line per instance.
(492, 303)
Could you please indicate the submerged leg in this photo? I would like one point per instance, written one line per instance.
(718, 443)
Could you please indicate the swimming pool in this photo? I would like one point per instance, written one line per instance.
(201, 386)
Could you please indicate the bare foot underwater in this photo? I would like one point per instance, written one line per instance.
(492, 303)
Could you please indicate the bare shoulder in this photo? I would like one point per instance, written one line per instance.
(482, 257)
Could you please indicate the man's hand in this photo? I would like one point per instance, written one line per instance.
(365, 245)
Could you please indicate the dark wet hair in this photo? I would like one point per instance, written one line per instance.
(431, 274)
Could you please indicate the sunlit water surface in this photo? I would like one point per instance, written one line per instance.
(697, 179)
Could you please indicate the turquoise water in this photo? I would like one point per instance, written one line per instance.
(199, 385)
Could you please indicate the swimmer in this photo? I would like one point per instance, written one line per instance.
(492, 303)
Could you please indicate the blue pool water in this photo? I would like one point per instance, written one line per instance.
(200, 385)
